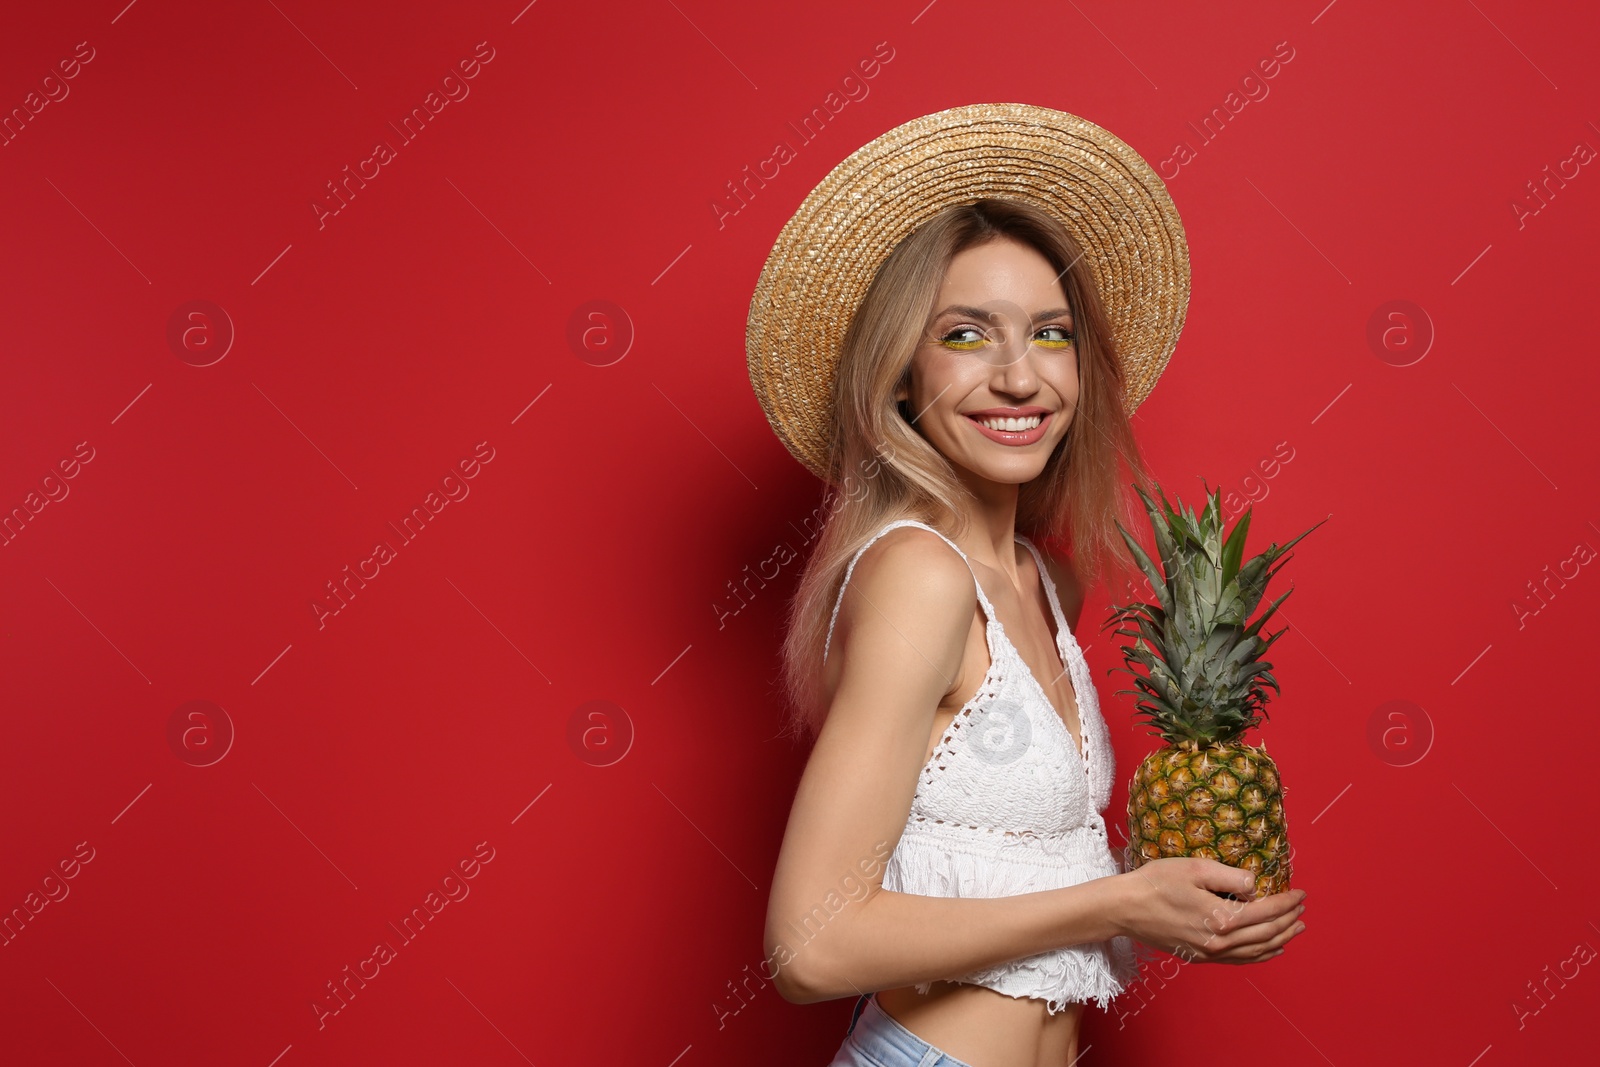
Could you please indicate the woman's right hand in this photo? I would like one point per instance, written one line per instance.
(1173, 904)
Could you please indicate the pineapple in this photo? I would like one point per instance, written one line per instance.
(1205, 792)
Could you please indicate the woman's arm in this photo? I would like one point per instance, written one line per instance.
(897, 939)
(900, 639)
(901, 631)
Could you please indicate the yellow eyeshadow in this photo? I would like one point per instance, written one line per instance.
(967, 346)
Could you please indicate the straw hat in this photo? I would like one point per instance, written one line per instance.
(827, 255)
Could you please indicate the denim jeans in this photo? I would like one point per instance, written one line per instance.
(876, 1039)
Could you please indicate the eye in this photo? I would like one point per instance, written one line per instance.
(954, 338)
(1063, 340)
(967, 338)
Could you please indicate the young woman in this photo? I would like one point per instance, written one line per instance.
(978, 399)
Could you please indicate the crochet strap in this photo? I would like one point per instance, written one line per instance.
(983, 599)
(1049, 588)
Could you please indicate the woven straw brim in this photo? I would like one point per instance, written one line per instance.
(827, 255)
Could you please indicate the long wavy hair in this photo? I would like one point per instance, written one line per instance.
(882, 469)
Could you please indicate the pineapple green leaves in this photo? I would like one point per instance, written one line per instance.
(1204, 677)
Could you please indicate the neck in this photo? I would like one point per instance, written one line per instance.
(991, 513)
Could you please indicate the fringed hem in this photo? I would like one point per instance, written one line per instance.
(945, 862)
(1078, 974)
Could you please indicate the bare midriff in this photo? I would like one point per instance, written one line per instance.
(984, 1027)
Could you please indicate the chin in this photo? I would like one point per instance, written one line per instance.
(1013, 472)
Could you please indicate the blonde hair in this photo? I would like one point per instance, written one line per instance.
(881, 469)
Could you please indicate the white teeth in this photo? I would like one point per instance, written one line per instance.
(1013, 425)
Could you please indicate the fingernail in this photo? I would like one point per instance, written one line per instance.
(1299, 927)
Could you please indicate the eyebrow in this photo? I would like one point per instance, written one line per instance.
(979, 313)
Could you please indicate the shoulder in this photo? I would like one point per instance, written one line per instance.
(909, 587)
(914, 566)
(900, 636)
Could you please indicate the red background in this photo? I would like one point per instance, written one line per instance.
(376, 749)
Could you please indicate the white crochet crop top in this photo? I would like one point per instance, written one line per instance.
(1008, 803)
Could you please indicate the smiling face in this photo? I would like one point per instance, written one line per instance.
(994, 383)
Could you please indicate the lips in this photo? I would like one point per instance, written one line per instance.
(1007, 413)
(1014, 438)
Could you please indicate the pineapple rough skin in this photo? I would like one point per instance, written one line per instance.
(1219, 801)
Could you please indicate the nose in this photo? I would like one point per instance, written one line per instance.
(1014, 372)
